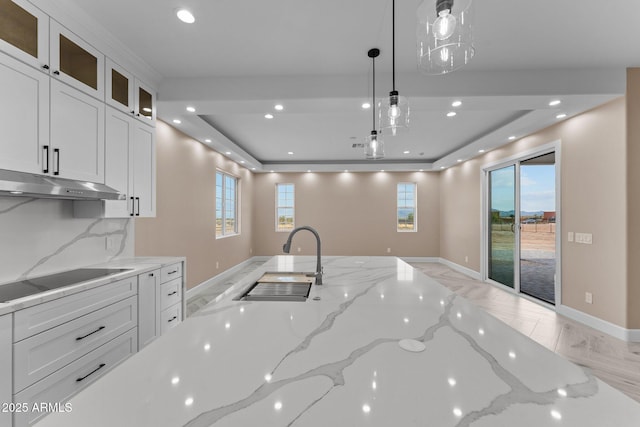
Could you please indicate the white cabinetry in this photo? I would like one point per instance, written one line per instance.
(24, 32)
(6, 384)
(148, 307)
(160, 302)
(77, 134)
(63, 345)
(24, 116)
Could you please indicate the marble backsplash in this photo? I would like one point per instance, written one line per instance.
(41, 236)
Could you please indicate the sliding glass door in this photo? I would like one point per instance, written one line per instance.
(520, 216)
(502, 231)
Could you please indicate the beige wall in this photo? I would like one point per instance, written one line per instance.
(354, 213)
(593, 167)
(185, 219)
(633, 197)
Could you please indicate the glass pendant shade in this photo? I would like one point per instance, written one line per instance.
(445, 35)
(394, 113)
(374, 146)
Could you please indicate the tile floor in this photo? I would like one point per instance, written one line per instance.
(613, 361)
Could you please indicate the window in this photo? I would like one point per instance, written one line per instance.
(226, 204)
(406, 206)
(285, 209)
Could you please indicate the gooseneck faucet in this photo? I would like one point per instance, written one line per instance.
(286, 248)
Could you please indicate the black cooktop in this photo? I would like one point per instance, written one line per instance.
(24, 288)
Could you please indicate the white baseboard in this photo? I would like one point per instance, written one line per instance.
(223, 276)
(419, 259)
(632, 335)
(460, 269)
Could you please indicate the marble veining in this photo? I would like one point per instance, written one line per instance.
(41, 236)
(336, 361)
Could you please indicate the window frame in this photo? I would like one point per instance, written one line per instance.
(236, 229)
(278, 207)
(414, 207)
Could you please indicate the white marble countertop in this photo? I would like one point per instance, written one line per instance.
(336, 362)
(137, 265)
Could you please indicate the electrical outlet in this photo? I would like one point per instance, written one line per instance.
(587, 238)
(250, 250)
(388, 250)
(466, 259)
(570, 236)
(299, 249)
(579, 238)
(109, 243)
(588, 297)
(217, 265)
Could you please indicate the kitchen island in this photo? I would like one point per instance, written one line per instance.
(336, 360)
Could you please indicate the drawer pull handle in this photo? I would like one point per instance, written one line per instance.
(90, 333)
(173, 272)
(102, 365)
(172, 293)
(172, 319)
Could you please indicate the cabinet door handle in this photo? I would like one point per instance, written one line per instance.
(56, 153)
(172, 319)
(102, 365)
(138, 200)
(150, 274)
(45, 67)
(56, 72)
(133, 204)
(172, 293)
(173, 272)
(90, 333)
(45, 169)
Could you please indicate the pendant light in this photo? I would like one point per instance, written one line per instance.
(394, 111)
(374, 145)
(445, 35)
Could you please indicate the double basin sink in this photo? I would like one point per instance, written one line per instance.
(280, 286)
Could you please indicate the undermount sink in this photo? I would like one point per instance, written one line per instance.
(280, 286)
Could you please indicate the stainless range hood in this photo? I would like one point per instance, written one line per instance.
(29, 185)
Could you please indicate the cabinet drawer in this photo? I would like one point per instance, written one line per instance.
(39, 318)
(43, 354)
(170, 272)
(170, 318)
(170, 293)
(62, 384)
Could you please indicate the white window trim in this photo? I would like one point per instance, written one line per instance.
(237, 202)
(277, 206)
(415, 208)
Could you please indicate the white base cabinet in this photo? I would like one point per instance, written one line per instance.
(6, 384)
(148, 307)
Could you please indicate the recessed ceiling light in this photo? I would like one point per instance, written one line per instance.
(271, 171)
(406, 152)
(366, 105)
(207, 140)
(253, 169)
(279, 107)
(481, 151)
(381, 170)
(268, 116)
(227, 152)
(308, 170)
(512, 137)
(456, 103)
(420, 170)
(441, 167)
(191, 109)
(185, 16)
(451, 114)
(242, 162)
(177, 121)
(561, 116)
(290, 153)
(346, 171)
(555, 102)
(459, 160)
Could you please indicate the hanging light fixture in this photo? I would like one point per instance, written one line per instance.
(394, 111)
(445, 35)
(374, 145)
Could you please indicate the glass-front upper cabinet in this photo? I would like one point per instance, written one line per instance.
(145, 103)
(119, 85)
(76, 62)
(24, 32)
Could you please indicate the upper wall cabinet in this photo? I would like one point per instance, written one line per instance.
(24, 116)
(76, 62)
(145, 100)
(119, 85)
(24, 32)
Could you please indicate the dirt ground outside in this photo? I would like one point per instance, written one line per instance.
(541, 237)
